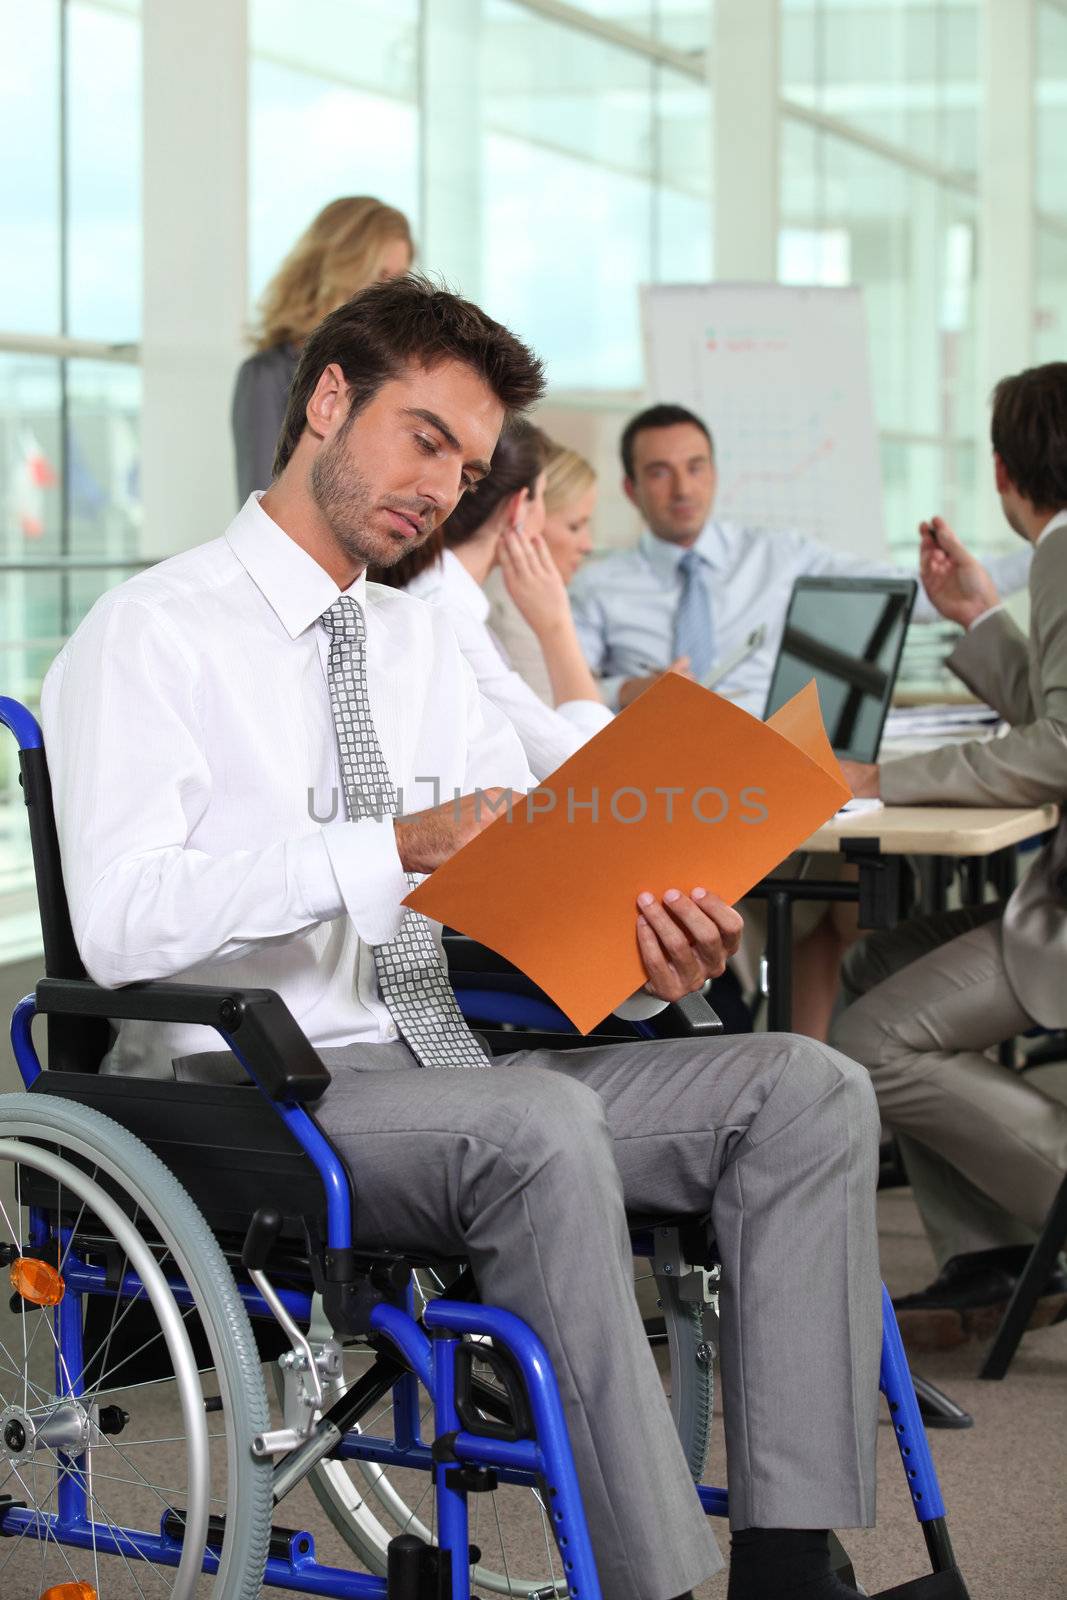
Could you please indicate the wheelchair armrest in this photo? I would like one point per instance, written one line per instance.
(466, 955)
(689, 1018)
(684, 1019)
(256, 1022)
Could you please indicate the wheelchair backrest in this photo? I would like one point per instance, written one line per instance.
(74, 1044)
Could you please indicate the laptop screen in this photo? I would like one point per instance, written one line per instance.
(847, 634)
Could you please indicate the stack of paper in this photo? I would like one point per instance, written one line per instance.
(913, 729)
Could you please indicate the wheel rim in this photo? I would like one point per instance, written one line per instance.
(74, 1441)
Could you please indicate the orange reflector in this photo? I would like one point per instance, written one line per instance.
(42, 1285)
(70, 1591)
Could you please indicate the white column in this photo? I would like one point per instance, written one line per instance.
(450, 143)
(744, 75)
(195, 275)
(1006, 229)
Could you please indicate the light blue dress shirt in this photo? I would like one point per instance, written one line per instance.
(624, 603)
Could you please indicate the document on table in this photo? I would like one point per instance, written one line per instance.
(681, 790)
(912, 730)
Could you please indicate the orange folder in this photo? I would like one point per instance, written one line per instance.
(682, 790)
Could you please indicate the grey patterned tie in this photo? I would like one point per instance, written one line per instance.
(411, 977)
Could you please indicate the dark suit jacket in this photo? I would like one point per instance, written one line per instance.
(1026, 681)
(260, 396)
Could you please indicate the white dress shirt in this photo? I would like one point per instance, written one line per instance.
(549, 735)
(624, 604)
(520, 644)
(197, 784)
(192, 749)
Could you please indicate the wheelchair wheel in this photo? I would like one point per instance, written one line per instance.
(369, 1505)
(130, 1386)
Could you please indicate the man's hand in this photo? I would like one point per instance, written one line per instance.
(863, 778)
(630, 688)
(957, 583)
(685, 940)
(425, 839)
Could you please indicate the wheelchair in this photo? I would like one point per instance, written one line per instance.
(167, 1241)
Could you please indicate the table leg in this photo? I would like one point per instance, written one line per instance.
(779, 961)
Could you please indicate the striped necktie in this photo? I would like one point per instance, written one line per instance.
(693, 633)
(411, 977)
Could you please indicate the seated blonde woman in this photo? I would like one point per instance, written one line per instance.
(499, 524)
(570, 499)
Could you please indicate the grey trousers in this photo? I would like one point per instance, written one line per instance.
(529, 1167)
(985, 1149)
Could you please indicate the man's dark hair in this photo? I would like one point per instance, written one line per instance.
(664, 416)
(1030, 433)
(404, 322)
(518, 460)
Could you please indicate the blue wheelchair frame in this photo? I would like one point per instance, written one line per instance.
(428, 1349)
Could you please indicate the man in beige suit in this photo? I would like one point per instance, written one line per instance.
(985, 1149)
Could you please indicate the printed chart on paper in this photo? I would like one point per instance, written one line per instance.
(781, 376)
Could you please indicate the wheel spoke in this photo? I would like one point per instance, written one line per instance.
(47, 1522)
(157, 1489)
(503, 1552)
(548, 1542)
(123, 1536)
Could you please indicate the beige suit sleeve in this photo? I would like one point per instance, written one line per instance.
(1029, 764)
(993, 659)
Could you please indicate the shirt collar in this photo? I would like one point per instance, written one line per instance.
(464, 590)
(1058, 521)
(293, 584)
(664, 557)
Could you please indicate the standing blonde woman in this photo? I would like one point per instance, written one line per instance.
(570, 499)
(352, 243)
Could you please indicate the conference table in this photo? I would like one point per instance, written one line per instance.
(881, 844)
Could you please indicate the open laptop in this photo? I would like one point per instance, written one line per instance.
(847, 634)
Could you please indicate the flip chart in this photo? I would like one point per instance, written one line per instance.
(682, 790)
(781, 376)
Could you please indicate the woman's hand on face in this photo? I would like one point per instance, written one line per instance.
(532, 579)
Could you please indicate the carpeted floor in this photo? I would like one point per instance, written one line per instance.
(1004, 1481)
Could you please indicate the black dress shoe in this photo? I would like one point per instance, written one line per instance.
(969, 1296)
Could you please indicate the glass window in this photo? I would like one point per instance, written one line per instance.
(103, 55)
(69, 429)
(1050, 315)
(908, 74)
(73, 496)
(1050, 184)
(333, 111)
(682, 24)
(595, 180)
(1050, 110)
(851, 216)
(30, 171)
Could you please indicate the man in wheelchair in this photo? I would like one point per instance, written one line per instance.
(198, 724)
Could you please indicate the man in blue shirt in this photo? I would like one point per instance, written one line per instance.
(697, 589)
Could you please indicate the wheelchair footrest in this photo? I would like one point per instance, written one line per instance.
(935, 1586)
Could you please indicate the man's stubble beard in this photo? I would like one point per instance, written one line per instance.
(344, 498)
